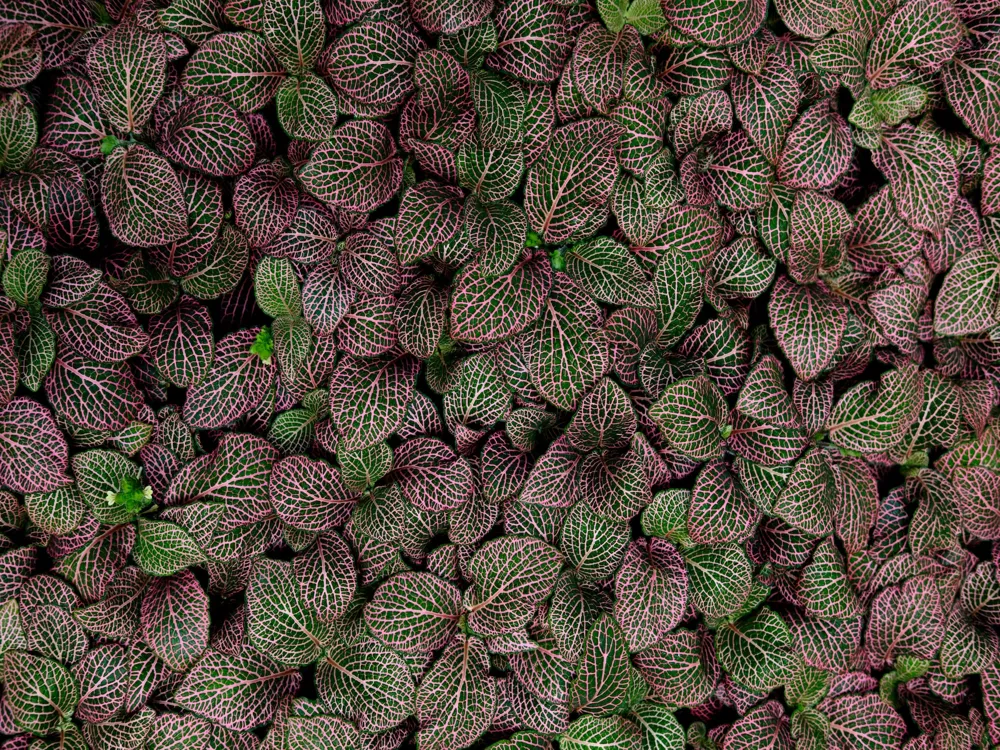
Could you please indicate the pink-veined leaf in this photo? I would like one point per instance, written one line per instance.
(142, 197)
(512, 574)
(129, 69)
(235, 383)
(175, 619)
(369, 398)
(809, 325)
(533, 39)
(372, 63)
(414, 612)
(209, 135)
(568, 188)
(237, 66)
(309, 494)
(923, 175)
(239, 692)
(563, 353)
(356, 169)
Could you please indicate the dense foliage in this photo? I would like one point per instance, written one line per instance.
(509, 373)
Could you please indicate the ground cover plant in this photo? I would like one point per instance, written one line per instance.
(523, 374)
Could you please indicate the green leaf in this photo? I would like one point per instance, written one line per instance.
(414, 612)
(142, 197)
(307, 107)
(719, 577)
(568, 188)
(563, 353)
(757, 651)
(606, 733)
(677, 287)
(512, 575)
(41, 693)
(923, 175)
(691, 414)
(18, 132)
(294, 30)
(870, 418)
(277, 288)
(239, 691)
(608, 271)
(162, 548)
(370, 682)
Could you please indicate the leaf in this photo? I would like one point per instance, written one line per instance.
(41, 693)
(372, 683)
(356, 169)
(238, 692)
(326, 576)
(691, 415)
(817, 150)
(756, 651)
(719, 578)
(607, 732)
(73, 120)
(175, 625)
(677, 287)
(181, 342)
(18, 131)
(294, 30)
(235, 383)
(100, 326)
(92, 394)
(563, 354)
(265, 201)
(368, 399)
(921, 38)
(809, 326)
(209, 135)
(20, 55)
(372, 63)
(717, 24)
(457, 698)
(602, 671)
(740, 175)
(34, 456)
(429, 214)
(309, 494)
(414, 612)
(972, 83)
(128, 67)
(307, 107)
(977, 490)
(533, 39)
(824, 586)
(594, 546)
(276, 287)
(567, 189)
(142, 198)
(967, 300)
(651, 588)
(608, 271)
(864, 721)
(279, 623)
(57, 511)
(923, 176)
(816, 229)
(870, 419)
(488, 308)
(511, 575)
(163, 548)
(237, 66)
(905, 618)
